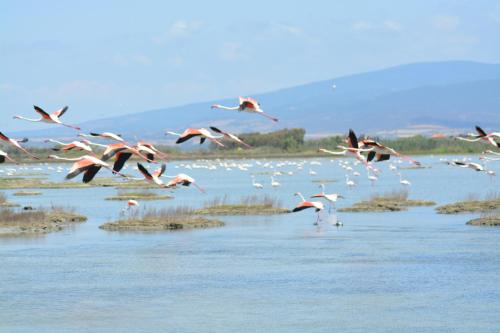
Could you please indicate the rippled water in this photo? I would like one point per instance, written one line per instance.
(412, 271)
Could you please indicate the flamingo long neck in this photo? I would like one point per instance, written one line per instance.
(58, 142)
(227, 107)
(301, 196)
(67, 159)
(29, 119)
(96, 144)
(174, 133)
(322, 188)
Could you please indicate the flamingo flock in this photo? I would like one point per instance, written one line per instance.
(115, 154)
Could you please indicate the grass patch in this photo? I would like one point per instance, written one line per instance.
(5, 203)
(165, 219)
(36, 222)
(247, 205)
(473, 204)
(7, 183)
(393, 201)
(26, 193)
(324, 181)
(142, 195)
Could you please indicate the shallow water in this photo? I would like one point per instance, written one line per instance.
(412, 271)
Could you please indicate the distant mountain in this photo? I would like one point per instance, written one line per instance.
(452, 94)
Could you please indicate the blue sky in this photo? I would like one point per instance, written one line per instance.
(105, 58)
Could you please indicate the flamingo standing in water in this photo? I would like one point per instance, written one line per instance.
(258, 186)
(403, 181)
(77, 145)
(247, 104)
(331, 198)
(51, 118)
(89, 165)
(203, 133)
(230, 136)
(304, 204)
(4, 156)
(16, 143)
(481, 135)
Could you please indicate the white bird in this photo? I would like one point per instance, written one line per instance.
(403, 181)
(349, 182)
(331, 198)
(256, 185)
(274, 183)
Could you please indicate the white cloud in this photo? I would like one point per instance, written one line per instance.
(361, 26)
(392, 25)
(446, 22)
(179, 29)
(231, 51)
(289, 29)
(129, 60)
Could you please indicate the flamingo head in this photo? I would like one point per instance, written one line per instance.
(215, 106)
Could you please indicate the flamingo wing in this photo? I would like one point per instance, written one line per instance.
(160, 171)
(4, 137)
(90, 173)
(352, 139)
(121, 158)
(188, 134)
(79, 167)
(112, 150)
(60, 112)
(370, 156)
(480, 131)
(42, 113)
(144, 171)
(383, 157)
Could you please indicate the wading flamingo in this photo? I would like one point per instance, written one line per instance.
(304, 204)
(331, 198)
(247, 104)
(51, 118)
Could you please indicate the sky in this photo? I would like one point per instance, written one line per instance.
(107, 58)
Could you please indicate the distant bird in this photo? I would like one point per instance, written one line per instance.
(247, 104)
(331, 198)
(76, 145)
(190, 133)
(16, 143)
(382, 153)
(183, 180)
(403, 181)
(52, 118)
(490, 138)
(349, 182)
(372, 179)
(153, 177)
(471, 165)
(274, 183)
(4, 156)
(104, 135)
(256, 185)
(132, 203)
(312, 172)
(89, 165)
(304, 204)
(230, 136)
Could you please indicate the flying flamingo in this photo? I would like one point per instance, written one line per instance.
(149, 150)
(104, 135)
(120, 152)
(153, 177)
(183, 180)
(230, 136)
(90, 165)
(4, 156)
(77, 145)
(381, 152)
(16, 144)
(353, 149)
(203, 133)
(481, 135)
(247, 104)
(304, 204)
(331, 198)
(52, 118)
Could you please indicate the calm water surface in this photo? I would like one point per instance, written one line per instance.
(412, 271)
